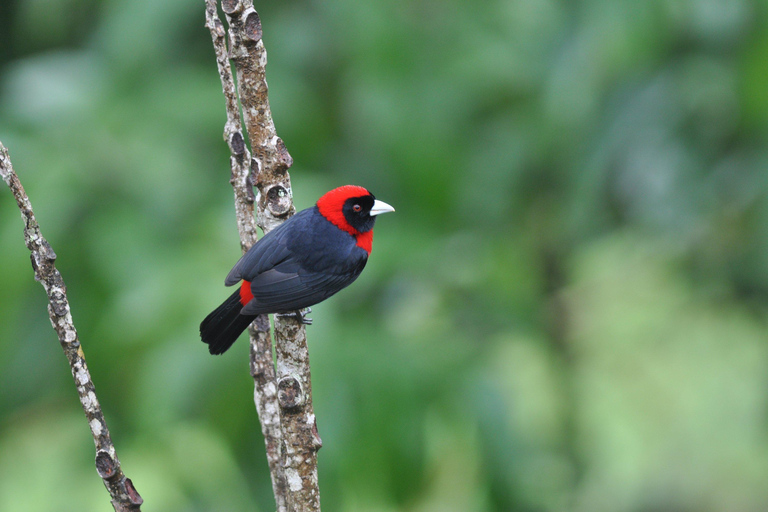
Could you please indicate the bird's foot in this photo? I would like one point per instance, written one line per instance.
(300, 316)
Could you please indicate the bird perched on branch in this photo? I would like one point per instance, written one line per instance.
(303, 261)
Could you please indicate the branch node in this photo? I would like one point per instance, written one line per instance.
(232, 168)
(231, 7)
(278, 200)
(237, 143)
(284, 159)
(250, 195)
(253, 26)
(47, 251)
(255, 172)
(289, 392)
(218, 27)
(132, 493)
(318, 443)
(105, 465)
(59, 302)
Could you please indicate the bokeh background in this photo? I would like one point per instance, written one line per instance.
(566, 313)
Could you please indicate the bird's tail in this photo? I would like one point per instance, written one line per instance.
(222, 327)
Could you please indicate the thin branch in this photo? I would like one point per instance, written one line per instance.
(262, 367)
(270, 164)
(124, 495)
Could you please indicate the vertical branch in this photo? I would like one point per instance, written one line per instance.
(270, 164)
(262, 367)
(301, 440)
(124, 495)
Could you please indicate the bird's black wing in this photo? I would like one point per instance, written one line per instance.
(268, 252)
(289, 287)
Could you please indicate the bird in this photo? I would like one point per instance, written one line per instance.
(306, 259)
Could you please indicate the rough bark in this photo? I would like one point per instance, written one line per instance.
(262, 367)
(295, 477)
(271, 160)
(124, 495)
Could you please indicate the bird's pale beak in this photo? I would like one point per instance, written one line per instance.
(380, 207)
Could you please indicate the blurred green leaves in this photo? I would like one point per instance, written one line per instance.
(672, 397)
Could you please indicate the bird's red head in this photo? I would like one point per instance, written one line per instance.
(354, 210)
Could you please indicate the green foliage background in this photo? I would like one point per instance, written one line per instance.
(566, 313)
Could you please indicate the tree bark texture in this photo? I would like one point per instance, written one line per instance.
(283, 395)
(124, 495)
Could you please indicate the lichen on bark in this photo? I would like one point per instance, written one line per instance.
(124, 495)
(289, 427)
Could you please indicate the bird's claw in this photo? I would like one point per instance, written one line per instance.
(300, 316)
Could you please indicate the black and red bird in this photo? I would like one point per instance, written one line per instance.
(303, 261)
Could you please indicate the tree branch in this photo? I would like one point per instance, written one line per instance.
(262, 367)
(298, 437)
(124, 495)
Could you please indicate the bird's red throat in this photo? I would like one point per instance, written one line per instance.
(365, 241)
(331, 207)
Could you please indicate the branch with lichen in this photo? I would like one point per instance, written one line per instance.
(124, 495)
(300, 439)
(283, 395)
(262, 367)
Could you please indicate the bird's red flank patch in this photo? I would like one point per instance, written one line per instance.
(330, 207)
(245, 293)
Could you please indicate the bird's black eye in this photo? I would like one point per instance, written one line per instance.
(357, 208)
